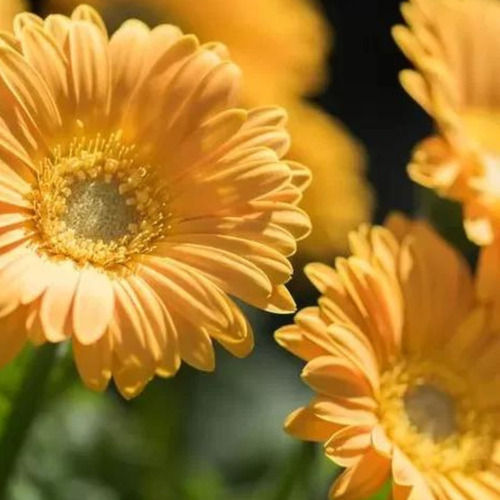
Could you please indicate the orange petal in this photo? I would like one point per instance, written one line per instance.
(29, 90)
(89, 14)
(131, 376)
(170, 361)
(151, 314)
(247, 229)
(94, 362)
(304, 424)
(406, 477)
(12, 277)
(129, 338)
(195, 345)
(348, 445)
(280, 301)
(43, 53)
(88, 55)
(181, 289)
(336, 377)
(93, 306)
(12, 335)
(381, 442)
(230, 272)
(276, 267)
(127, 46)
(345, 411)
(57, 302)
(362, 479)
(294, 339)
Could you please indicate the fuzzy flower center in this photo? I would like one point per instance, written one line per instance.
(95, 202)
(431, 410)
(96, 210)
(431, 413)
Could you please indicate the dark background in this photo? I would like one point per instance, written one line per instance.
(365, 93)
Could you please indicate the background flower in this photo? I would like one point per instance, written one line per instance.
(8, 9)
(404, 364)
(449, 42)
(282, 48)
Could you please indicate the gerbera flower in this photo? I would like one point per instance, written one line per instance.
(134, 196)
(283, 62)
(454, 45)
(8, 9)
(404, 360)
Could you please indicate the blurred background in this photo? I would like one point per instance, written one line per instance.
(219, 436)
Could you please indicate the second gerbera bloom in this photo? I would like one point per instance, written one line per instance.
(404, 360)
(134, 197)
(454, 45)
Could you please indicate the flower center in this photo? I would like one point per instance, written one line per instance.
(96, 210)
(431, 411)
(95, 202)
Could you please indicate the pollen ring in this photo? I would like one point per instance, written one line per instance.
(95, 203)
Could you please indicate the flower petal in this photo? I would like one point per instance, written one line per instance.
(304, 424)
(348, 445)
(362, 479)
(93, 306)
(12, 335)
(90, 69)
(57, 302)
(195, 345)
(94, 362)
(337, 377)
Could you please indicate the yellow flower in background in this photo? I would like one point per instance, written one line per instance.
(282, 48)
(454, 45)
(404, 361)
(134, 197)
(8, 9)
(489, 270)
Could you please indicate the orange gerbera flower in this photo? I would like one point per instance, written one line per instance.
(404, 360)
(133, 197)
(282, 47)
(454, 46)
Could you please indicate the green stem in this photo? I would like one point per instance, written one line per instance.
(297, 472)
(24, 410)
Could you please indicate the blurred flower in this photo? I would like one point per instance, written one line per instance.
(282, 48)
(454, 46)
(8, 9)
(489, 270)
(133, 197)
(405, 366)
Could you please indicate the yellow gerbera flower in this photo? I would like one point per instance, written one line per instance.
(8, 9)
(454, 46)
(134, 196)
(282, 48)
(404, 360)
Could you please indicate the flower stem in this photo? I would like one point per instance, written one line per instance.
(24, 409)
(297, 472)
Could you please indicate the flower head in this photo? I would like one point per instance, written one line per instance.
(134, 197)
(403, 355)
(293, 69)
(450, 43)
